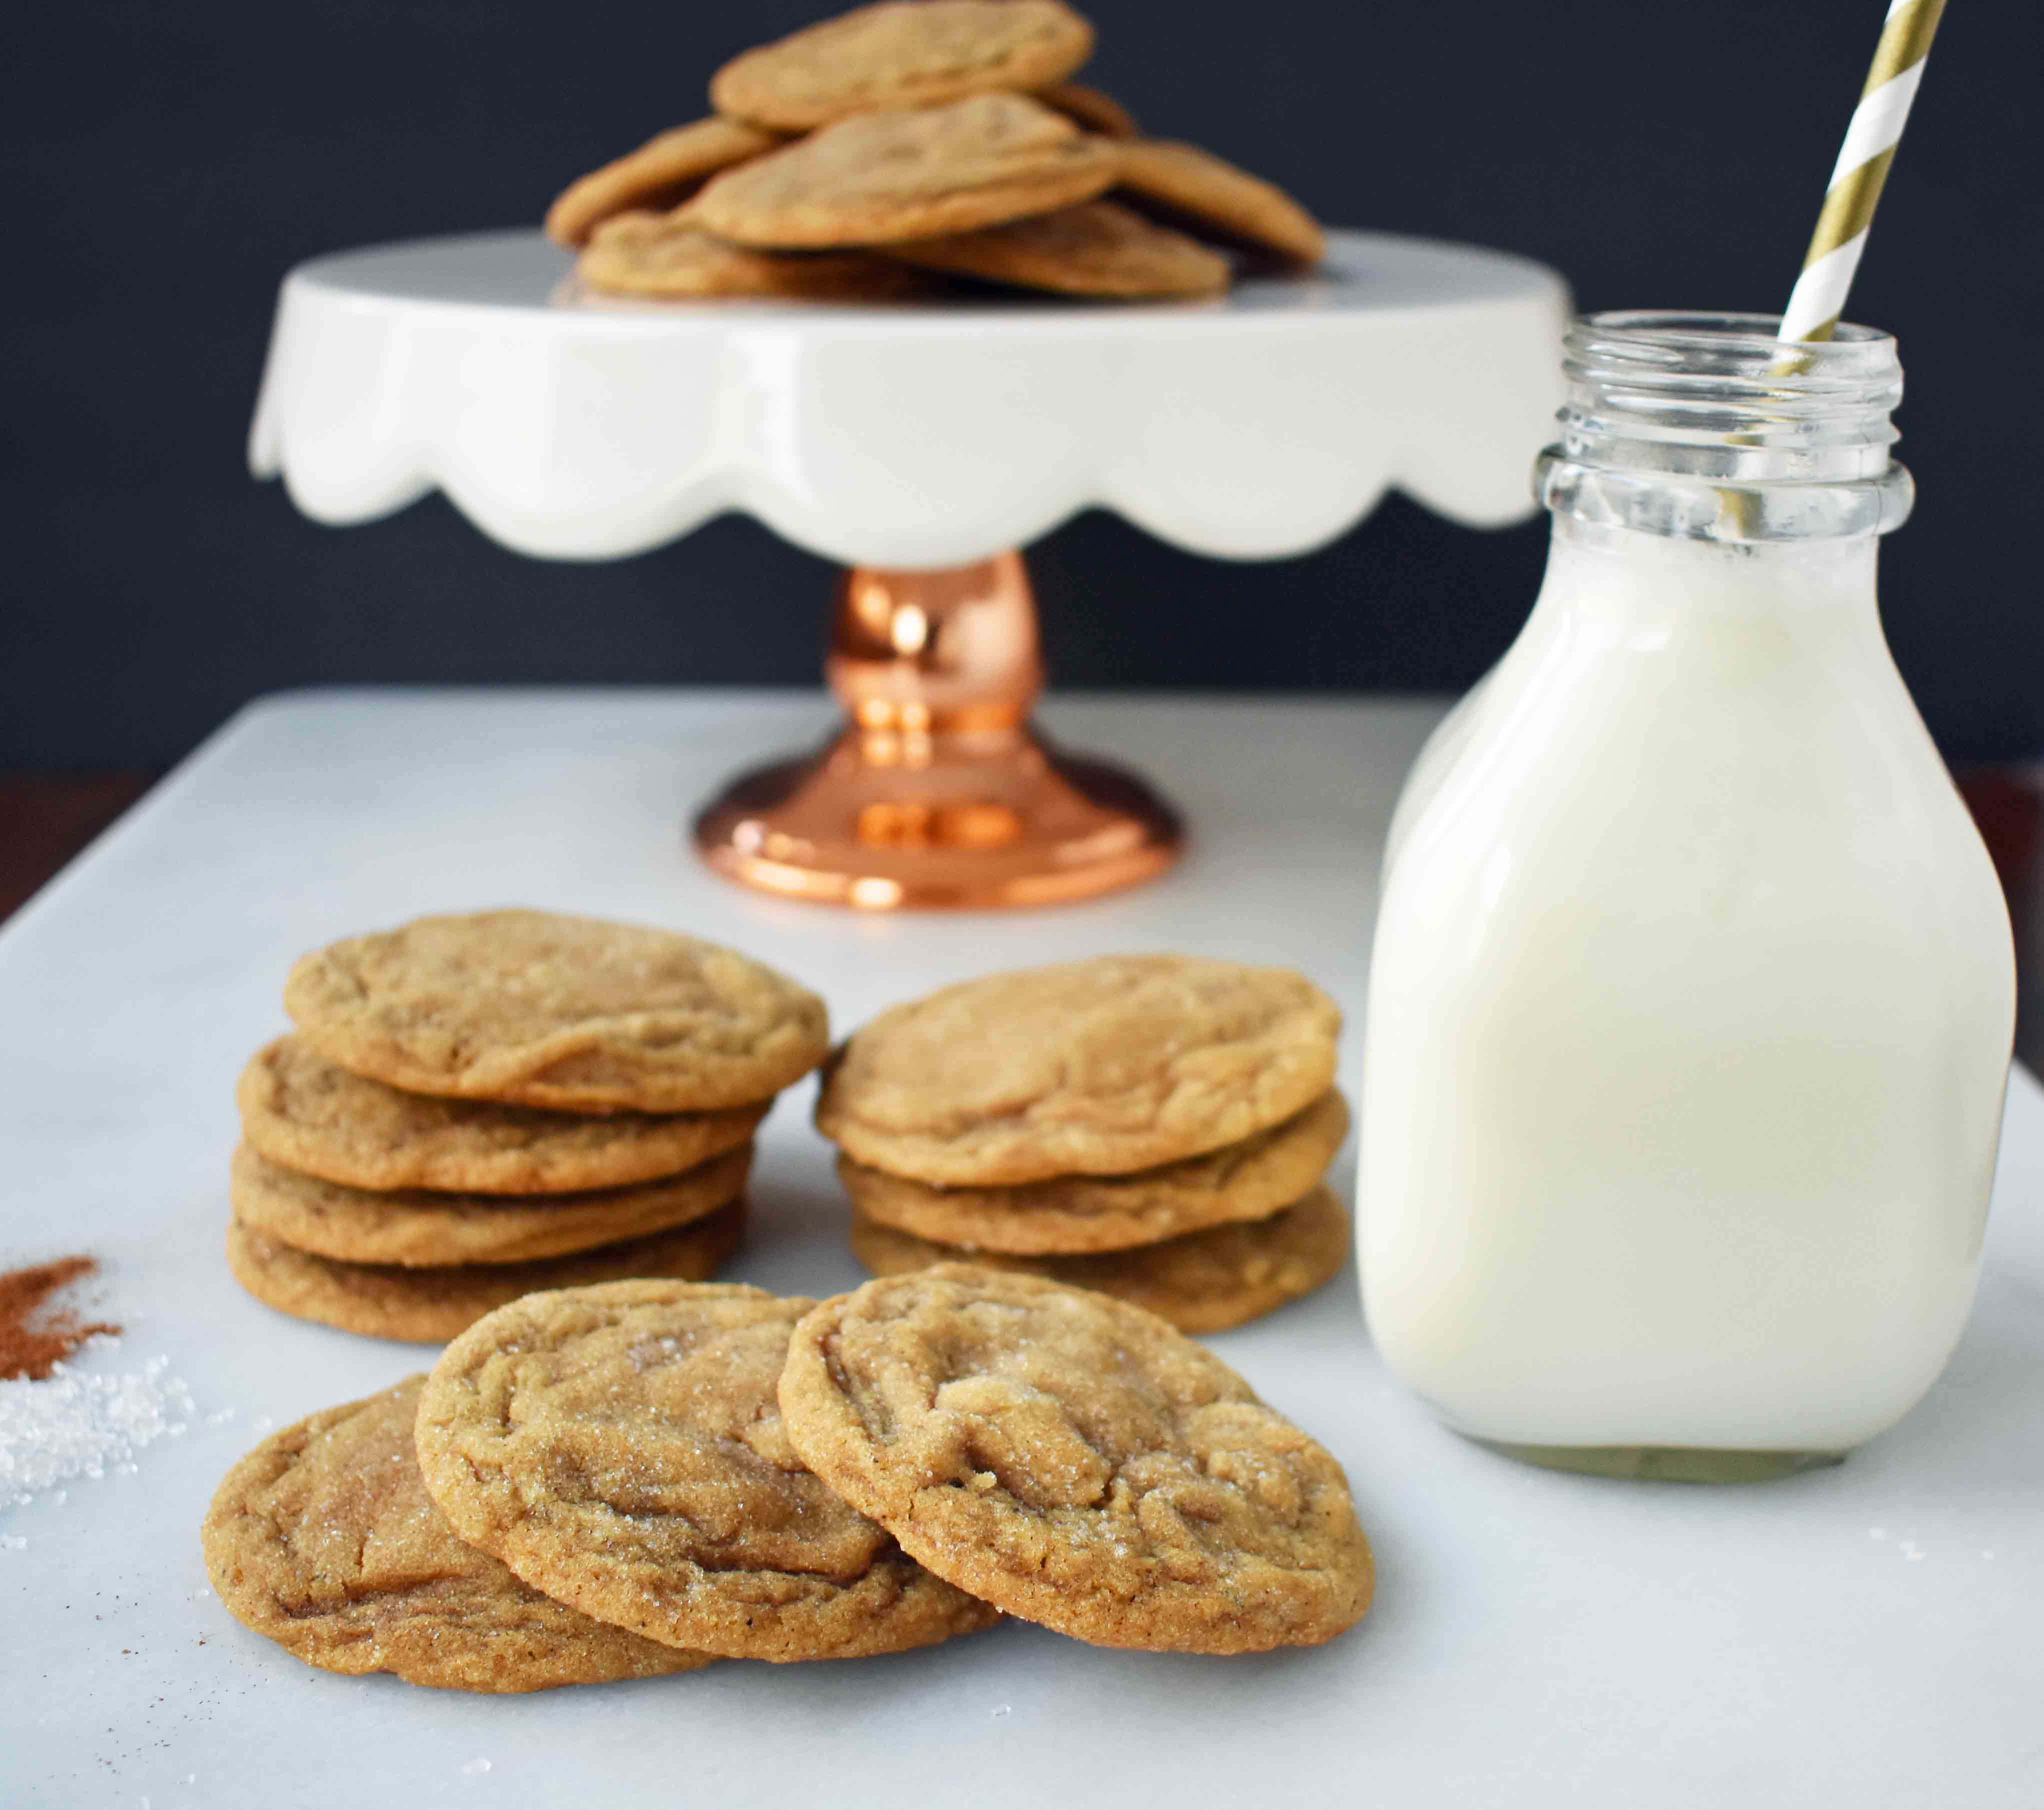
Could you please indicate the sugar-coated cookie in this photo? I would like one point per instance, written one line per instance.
(621, 1449)
(575, 1014)
(422, 1230)
(660, 175)
(1093, 249)
(323, 1539)
(430, 1306)
(878, 178)
(901, 53)
(1077, 1462)
(1202, 1282)
(309, 1114)
(1088, 1067)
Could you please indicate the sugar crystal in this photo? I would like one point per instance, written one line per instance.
(72, 1423)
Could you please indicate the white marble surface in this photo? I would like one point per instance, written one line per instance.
(1864, 1637)
(579, 427)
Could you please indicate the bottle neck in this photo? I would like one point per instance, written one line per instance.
(1705, 428)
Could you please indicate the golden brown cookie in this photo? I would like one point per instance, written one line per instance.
(1195, 187)
(661, 256)
(1075, 1461)
(574, 1014)
(1087, 1067)
(323, 1539)
(1204, 1282)
(417, 1230)
(878, 178)
(660, 174)
(430, 1306)
(620, 1449)
(1070, 1215)
(302, 1111)
(1094, 249)
(901, 53)
(1089, 107)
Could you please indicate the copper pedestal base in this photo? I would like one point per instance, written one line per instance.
(940, 792)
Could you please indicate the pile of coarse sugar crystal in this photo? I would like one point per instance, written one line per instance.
(75, 1423)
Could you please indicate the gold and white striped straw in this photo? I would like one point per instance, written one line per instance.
(1820, 296)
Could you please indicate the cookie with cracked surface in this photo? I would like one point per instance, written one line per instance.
(1203, 1282)
(1094, 249)
(420, 1230)
(307, 1113)
(663, 257)
(661, 174)
(1072, 1215)
(1194, 187)
(578, 1015)
(430, 1306)
(901, 53)
(1089, 107)
(621, 1449)
(878, 178)
(1077, 1462)
(323, 1539)
(1104, 1067)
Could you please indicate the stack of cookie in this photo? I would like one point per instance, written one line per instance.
(1155, 1127)
(874, 156)
(637, 1477)
(475, 1107)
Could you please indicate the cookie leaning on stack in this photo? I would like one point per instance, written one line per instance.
(1155, 1127)
(873, 156)
(1074, 1461)
(476, 1107)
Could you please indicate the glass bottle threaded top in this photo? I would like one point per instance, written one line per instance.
(1706, 427)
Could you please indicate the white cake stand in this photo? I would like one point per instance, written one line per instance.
(917, 444)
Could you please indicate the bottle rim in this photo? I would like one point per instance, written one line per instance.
(1643, 357)
(1761, 333)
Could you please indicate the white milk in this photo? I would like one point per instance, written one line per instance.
(1688, 1023)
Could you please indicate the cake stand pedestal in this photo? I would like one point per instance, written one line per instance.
(938, 790)
(919, 445)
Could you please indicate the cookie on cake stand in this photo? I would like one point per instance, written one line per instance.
(918, 443)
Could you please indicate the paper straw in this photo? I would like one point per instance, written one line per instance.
(1820, 296)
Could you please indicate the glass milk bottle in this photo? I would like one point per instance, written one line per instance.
(1693, 993)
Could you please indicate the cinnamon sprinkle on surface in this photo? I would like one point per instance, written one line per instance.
(33, 1342)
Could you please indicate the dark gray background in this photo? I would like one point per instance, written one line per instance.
(164, 164)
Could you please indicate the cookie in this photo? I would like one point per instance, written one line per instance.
(419, 1230)
(1075, 1461)
(660, 174)
(1204, 1282)
(1089, 107)
(901, 53)
(878, 178)
(1088, 1068)
(658, 256)
(576, 1013)
(1194, 186)
(430, 1306)
(620, 1449)
(323, 1539)
(1069, 1215)
(1094, 249)
(301, 1110)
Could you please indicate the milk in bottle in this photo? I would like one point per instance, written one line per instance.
(1693, 991)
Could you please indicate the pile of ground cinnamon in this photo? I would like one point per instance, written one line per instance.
(33, 1341)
